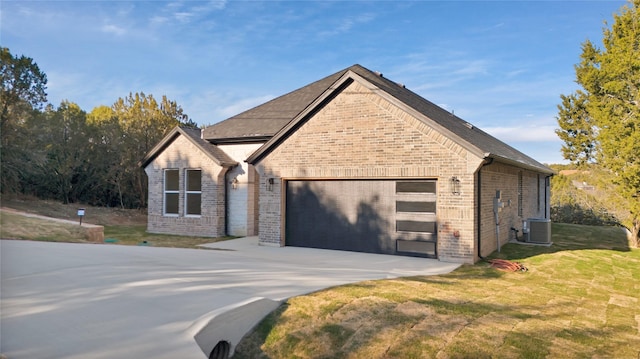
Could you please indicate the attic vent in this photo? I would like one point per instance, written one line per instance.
(401, 85)
(378, 73)
(468, 125)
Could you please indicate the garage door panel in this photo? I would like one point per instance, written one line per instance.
(415, 226)
(404, 206)
(416, 187)
(344, 215)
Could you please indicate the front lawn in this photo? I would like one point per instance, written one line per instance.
(121, 226)
(579, 298)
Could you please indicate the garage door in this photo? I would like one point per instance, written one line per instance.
(373, 216)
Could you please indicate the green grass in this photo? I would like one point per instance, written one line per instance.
(15, 226)
(137, 235)
(121, 227)
(580, 298)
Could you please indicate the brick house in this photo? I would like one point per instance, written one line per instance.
(353, 161)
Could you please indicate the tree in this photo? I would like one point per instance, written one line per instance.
(576, 129)
(21, 96)
(143, 123)
(610, 103)
(65, 141)
(105, 143)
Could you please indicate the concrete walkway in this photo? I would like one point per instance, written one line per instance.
(63, 300)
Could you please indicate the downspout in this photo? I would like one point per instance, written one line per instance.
(487, 161)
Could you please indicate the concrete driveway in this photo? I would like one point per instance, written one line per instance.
(62, 300)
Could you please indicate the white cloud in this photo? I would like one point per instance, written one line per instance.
(241, 105)
(448, 71)
(543, 133)
(113, 29)
(515, 73)
(466, 68)
(73, 86)
(345, 25)
(186, 11)
(209, 107)
(183, 16)
(209, 6)
(159, 20)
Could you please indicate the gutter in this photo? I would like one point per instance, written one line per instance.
(235, 140)
(542, 168)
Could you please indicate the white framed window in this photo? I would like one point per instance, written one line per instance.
(193, 192)
(171, 192)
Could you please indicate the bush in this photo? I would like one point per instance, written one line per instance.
(576, 214)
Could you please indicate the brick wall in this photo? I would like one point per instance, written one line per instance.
(505, 178)
(359, 135)
(183, 154)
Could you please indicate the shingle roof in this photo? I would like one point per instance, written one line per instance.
(275, 117)
(262, 122)
(193, 135)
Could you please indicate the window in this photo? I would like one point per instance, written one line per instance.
(416, 207)
(416, 230)
(193, 192)
(520, 194)
(538, 192)
(171, 192)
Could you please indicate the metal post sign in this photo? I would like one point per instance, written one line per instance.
(80, 214)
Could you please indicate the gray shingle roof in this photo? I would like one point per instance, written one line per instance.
(267, 120)
(262, 122)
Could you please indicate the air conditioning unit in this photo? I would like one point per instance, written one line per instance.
(539, 230)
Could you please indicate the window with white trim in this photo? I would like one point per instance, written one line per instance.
(171, 192)
(193, 192)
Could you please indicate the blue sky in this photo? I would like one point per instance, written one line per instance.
(500, 65)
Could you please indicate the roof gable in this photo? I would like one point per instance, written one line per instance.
(193, 135)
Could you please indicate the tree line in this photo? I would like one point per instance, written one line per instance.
(67, 154)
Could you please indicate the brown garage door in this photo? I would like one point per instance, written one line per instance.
(373, 216)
